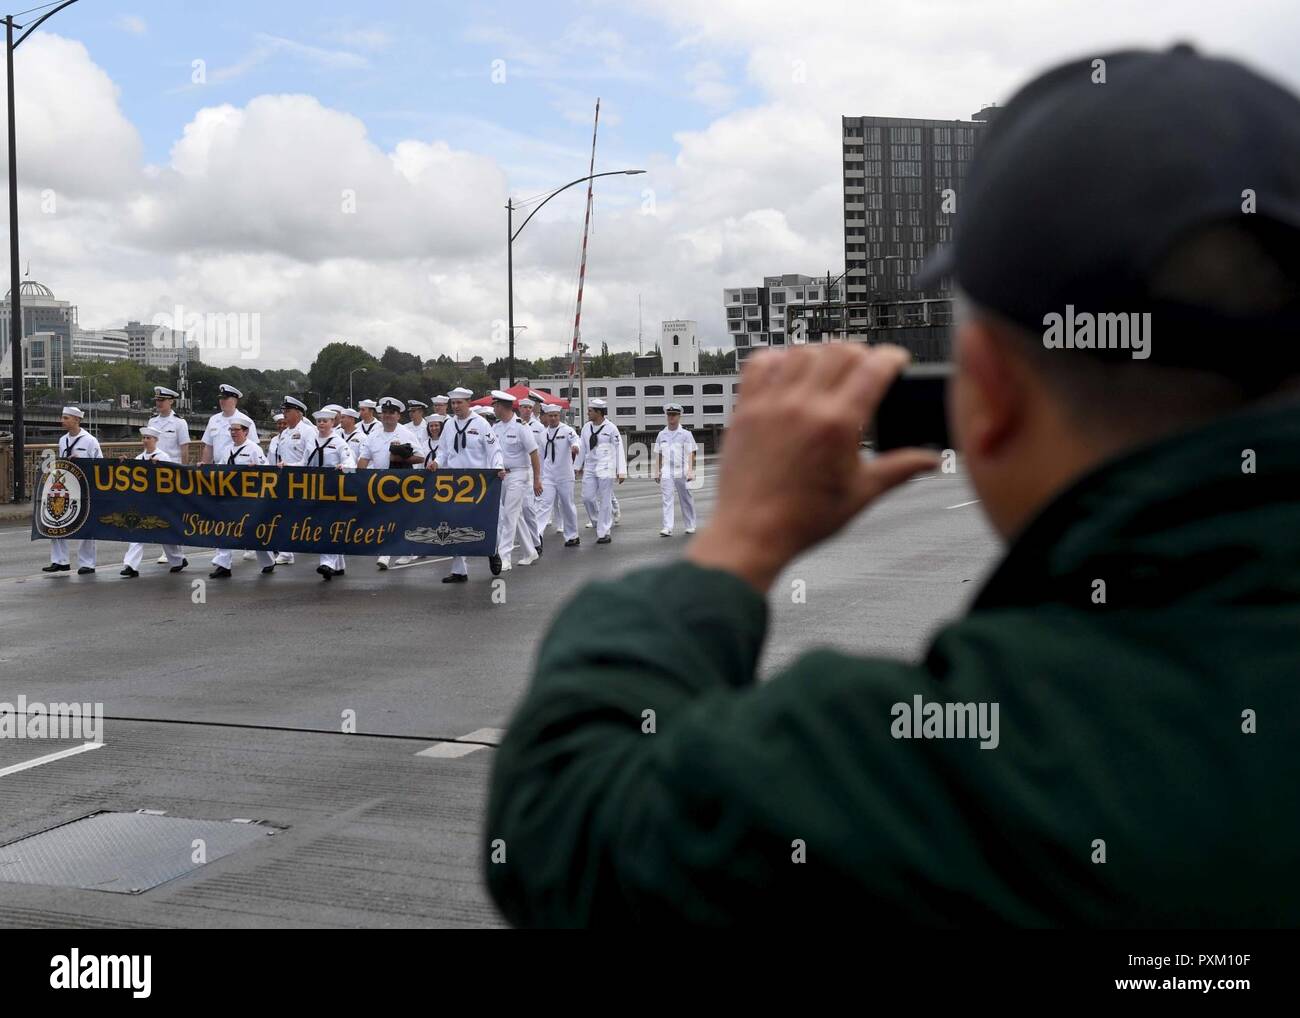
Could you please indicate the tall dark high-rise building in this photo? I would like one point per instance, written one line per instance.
(901, 178)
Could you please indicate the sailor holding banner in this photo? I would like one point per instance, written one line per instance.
(466, 442)
(216, 436)
(242, 450)
(172, 554)
(329, 449)
(78, 444)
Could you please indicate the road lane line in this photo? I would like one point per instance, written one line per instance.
(422, 562)
(50, 758)
(960, 504)
(493, 735)
(451, 749)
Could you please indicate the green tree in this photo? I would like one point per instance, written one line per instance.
(400, 363)
(328, 374)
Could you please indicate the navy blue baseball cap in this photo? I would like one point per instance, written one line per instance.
(1079, 188)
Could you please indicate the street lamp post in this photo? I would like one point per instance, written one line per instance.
(512, 234)
(351, 403)
(15, 301)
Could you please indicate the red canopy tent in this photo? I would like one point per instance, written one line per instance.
(520, 391)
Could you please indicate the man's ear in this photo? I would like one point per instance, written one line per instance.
(987, 404)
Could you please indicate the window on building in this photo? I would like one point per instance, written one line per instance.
(652, 410)
(654, 390)
(713, 408)
(687, 409)
(675, 341)
(683, 390)
(625, 390)
(778, 296)
(778, 339)
(754, 326)
(712, 389)
(568, 393)
(596, 390)
(676, 369)
(625, 411)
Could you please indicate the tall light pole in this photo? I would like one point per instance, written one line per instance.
(350, 374)
(15, 300)
(512, 234)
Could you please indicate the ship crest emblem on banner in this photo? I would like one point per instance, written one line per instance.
(61, 504)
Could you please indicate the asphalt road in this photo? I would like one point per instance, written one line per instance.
(232, 704)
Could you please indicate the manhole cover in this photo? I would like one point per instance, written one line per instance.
(123, 852)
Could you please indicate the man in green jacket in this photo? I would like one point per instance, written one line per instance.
(1111, 736)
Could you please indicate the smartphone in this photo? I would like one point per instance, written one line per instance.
(912, 412)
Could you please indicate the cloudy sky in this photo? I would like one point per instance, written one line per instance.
(345, 177)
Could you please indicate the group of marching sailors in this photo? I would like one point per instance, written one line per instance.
(536, 454)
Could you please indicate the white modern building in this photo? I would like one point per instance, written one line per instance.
(756, 316)
(679, 348)
(158, 347)
(46, 317)
(636, 405)
(100, 345)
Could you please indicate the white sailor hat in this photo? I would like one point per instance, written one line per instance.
(482, 411)
(435, 400)
(501, 396)
(240, 421)
(72, 411)
(526, 402)
(440, 418)
(224, 390)
(336, 407)
(293, 403)
(460, 392)
(347, 411)
(597, 404)
(325, 414)
(148, 432)
(162, 392)
(277, 416)
(388, 404)
(673, 408)
(550, 408)
(366, 403)
(416, 403)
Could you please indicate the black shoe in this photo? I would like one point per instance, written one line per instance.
(325, 571)
(604, 540)
(128, 571)
(494, 563)
(56, 567)
(539, 547)
(177, 569)
(85, 570)
(267, 570)
(340, 572)
(574, 543)
(220, 573)
(455, 578)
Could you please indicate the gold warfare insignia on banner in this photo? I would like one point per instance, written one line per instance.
(133, 520)
(444, 533)
(61, 500)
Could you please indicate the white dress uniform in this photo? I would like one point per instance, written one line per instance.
(467, 444)
(292, 445)
(217, 435)
(356, 440)
(601, 462)
(517, 446)
(135, 551)
(379, 440)
(173, 436)
(337, 453)
(532, 516)
(249, 453)
(558, 444)
(82, 445)
(419, 438)
(676, 446)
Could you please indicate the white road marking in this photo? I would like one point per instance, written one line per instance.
(51, 757)
(483, 735)
(960, 504)
(421, 562)
(451, 749)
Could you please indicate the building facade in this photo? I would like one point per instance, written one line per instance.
(680, 348)
(903, 181)
(759, 316)
(45, 359)
(158, 347)
(100, 345)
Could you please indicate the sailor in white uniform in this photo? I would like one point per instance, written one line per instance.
(416, 408)
(559, 449)
(438, 405)
(532, 517)
(151, 438)
(273, 446)
(467, 442)
(434, 424)
(601, 460)
(522, 483)
(382, 451)
(329, 449)
(216, 436)
(350, 431)
(674, 460)
(243, 451)
(75, 443)
(291, 449)
(173, 430)
(369, 419)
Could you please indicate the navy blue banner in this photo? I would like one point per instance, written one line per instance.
(369, 512)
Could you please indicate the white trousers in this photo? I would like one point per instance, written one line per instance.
(224, 557)
(59, 553)
(333, 561)
(516, 488)
(598, 500)
(531, 517)
(557, 498)
(135, 552)
(667, 485)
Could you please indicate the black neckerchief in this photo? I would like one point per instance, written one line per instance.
(366, 431)
(460, 441)
(595, 432)
(67, 453)
(235, 452)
